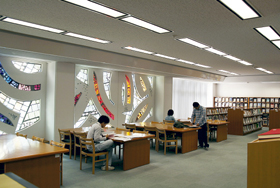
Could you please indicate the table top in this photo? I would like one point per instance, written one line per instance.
(14, 148)
(116, 135)
(167, 127)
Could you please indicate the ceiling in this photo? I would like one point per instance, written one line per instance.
(205, 21)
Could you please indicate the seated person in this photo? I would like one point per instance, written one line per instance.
(169, 116)
(101, 143)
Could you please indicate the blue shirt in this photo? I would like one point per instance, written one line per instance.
(170, 118)
(199, 115)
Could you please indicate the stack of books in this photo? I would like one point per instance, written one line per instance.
(273, 133)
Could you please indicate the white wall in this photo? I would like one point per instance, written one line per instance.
(247, 90)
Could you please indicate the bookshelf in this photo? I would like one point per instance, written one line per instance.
(274, 119)
(244, 121)
(236, 102)
(217, 113)
(263, 163)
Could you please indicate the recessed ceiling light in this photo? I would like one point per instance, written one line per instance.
(192, 42)
(268, 32)
(232, 58)
(277, 43)
(244, 62)
(184, 61)
(144, 24)
(264, 70)
(28, 24)
(138, 50)
(88, 38)
(164, 56)
(223, 71)
(241, 8)
(204, 66)
(96, 7)
(212, 50)
(228, 72)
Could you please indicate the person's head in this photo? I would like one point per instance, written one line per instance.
(103, 120)
(196, 105)
(170, 112)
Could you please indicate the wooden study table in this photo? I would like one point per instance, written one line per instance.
(222, 129)
(10, 179)
(136, 151)
(189, 135)
(36, 162)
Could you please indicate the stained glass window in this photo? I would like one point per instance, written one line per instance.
(6, 120)
(28, 67)
(123, 94)
(150, 114)
(107, 85)
(141, 113)
(128, 90)
(150, 78)
(143, 84)
(83, 76)
(77, 97)
(90, 109)
(29, 110)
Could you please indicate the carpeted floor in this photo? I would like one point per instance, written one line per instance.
(224, 165)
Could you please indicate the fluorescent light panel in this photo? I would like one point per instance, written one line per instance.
(232, 58)
(194, 43)
(88, 38)
(212, 50)
(28, 24)
(204, 66)
(138, 50)
(184, 61)
(277, 43)
(268, 32)
(245, 63)
(264, 70)
(228, 72)
(164, 56)
(96, 7)
(241, 8)
(144, 24)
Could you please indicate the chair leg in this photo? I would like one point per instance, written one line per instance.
(93, 164)
(75, 149)
(107, 159)
(176, 149)
(70, 151)
(81, 158)
(119, 151)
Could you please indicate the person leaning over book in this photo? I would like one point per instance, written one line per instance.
(101, 143)
(199, 113)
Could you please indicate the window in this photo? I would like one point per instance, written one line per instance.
(28, 67)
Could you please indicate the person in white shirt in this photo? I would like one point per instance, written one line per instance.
(101, 143)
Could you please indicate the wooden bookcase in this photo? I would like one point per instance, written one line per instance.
(217, 113)
(244, 121)
(263, 163)
(236, 102)
(274, 119)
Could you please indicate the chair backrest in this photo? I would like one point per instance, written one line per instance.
(168, 121)
(161, 132)
(38, 139)
(120, 129)
(150, 129)
(63, 134)
(53, 143)
(77, 136)
(130, 126)
(143, 132)
(23, 135)
(154, 122)
(87, 142)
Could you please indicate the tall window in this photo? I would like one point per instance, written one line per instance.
(185, 92)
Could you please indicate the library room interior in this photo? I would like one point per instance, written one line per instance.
(102, 93)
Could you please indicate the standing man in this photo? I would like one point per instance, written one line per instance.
(199, 113)
(101, 143)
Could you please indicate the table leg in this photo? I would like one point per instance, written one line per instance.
(189, 141)
(136, 153)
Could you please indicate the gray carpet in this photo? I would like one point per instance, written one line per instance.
(224, 165)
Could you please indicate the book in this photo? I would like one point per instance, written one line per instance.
(276, 100)
(273, 133)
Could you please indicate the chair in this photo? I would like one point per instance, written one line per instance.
(152, 130)
(130, 126)
(168, 121)
(61, 145)
(93, 154)
(38, 139)
(23, 135)
(143, 132)
(120, 129)
(120, 144)
(162, 137)
(65, 137)
(77, 136)
(154, 122)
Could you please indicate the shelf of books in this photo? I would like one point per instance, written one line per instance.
(265, 103)
(237, 102)
(217, 113)
(244, 121)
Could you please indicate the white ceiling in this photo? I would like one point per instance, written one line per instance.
(206, 21)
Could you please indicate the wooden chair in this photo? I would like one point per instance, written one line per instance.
(65, 137)
(152, 130)
(93, 154)
(120, 129)
(162, 137)
(77, 136)
(130, 126)
(155, 122)
(23, 135)
(120, 145)
(168, 121)
(143, 132)
(38, 139)
(61, 145)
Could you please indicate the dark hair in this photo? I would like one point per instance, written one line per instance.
(195, 104)
(104, 119)
(170, 112)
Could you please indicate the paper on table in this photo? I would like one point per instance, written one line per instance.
(121, 138)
